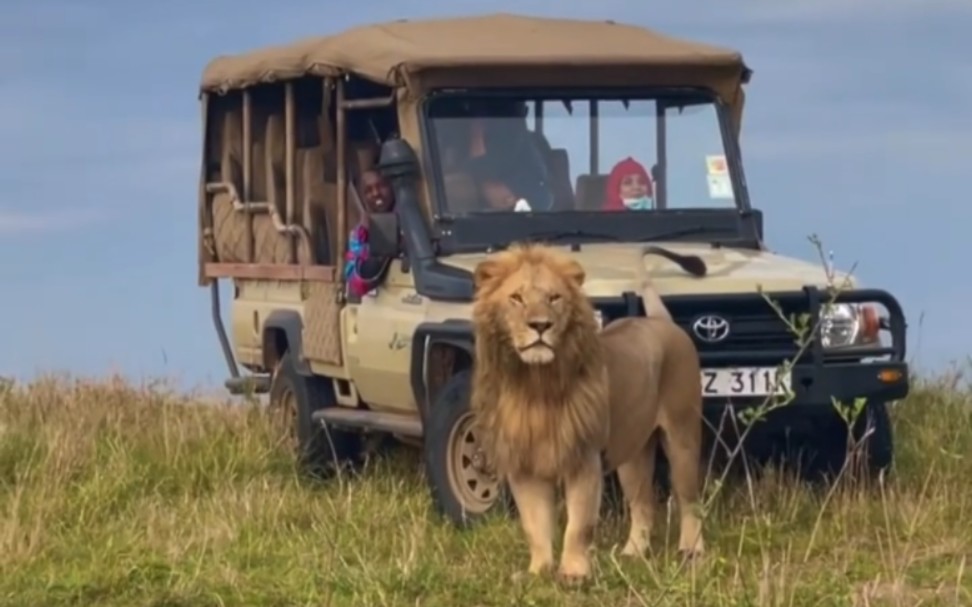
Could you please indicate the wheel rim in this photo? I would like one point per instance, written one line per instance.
(472, 481)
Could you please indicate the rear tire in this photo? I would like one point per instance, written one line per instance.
(320, 451)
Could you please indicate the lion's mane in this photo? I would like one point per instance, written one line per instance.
(538, 420)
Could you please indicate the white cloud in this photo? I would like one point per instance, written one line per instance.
(16, 222)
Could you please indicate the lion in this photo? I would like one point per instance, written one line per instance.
(558, 400)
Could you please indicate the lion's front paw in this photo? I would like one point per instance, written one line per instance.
(574, 570)
(692, 554)
(633, 549)
(540, 566)
(572, 579)
(689, 549)
(525, 576)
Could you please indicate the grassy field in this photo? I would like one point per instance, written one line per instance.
(119, 495)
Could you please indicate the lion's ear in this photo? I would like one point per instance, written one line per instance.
(486, 272)
(575, 272)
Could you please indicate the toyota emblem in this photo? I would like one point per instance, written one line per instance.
(711, 328)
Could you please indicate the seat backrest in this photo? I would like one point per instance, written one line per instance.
(274, 166)
(328, 147)
(275, 159)
(314, 185)
(322, 197)
(590, 191)
(356, 209)
(362, 155)
(558, 170)
(231, 156)
(460, 193)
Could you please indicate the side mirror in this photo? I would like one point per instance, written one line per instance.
(383, 234)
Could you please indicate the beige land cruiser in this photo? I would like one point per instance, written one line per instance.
(609, 136)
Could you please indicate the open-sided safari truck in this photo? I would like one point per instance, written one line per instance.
(289, 129)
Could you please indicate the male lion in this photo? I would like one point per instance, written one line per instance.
(552, 395)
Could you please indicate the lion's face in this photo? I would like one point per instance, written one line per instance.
(532, 296)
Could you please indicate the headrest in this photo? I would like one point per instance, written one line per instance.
(232, 135)
(461, 193)
(590, 191)
(275, 138)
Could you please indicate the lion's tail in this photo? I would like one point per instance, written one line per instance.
(693, 264)
(654, 306)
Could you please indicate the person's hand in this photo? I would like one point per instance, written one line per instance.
(513, 203)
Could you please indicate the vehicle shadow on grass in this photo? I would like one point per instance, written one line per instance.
(781, 448)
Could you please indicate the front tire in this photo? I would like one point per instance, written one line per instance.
(462, 486)
(320, 450)
(867, 456)
(874, 434)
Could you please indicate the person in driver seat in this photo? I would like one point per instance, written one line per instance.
(507, 184)
(499, 196)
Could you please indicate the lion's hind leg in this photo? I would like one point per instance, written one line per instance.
(682, 444)
(535, 503)
(637, 483)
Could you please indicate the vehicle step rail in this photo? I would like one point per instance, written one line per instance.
(248, 384)
(363, 419)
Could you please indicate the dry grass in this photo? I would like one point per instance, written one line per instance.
(120, 495)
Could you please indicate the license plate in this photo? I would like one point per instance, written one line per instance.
(744, 381)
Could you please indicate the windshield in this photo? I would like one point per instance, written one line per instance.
(504, 153)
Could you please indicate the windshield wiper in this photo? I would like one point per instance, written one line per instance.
(688, 231)
(555, 235)
(562, 234)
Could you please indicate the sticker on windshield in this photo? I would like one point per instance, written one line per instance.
(716, 165)
(720, 186)
(717, 175)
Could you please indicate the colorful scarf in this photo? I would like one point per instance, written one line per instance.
(357, 252)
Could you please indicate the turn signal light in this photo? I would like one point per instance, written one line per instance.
(870, 324)
(890, 376)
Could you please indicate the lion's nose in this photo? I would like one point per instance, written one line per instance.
(540, 325)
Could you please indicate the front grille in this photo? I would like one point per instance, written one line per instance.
(758, 335)
(754, 327)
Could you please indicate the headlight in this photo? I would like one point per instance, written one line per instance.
(845, 325)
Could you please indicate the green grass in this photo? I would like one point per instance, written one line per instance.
(119, 495)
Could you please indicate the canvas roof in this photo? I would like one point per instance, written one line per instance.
(400, 53)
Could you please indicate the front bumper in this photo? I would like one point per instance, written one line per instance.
(818, 376)
(820, 386)
(877, 381)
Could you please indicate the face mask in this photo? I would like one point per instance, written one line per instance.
(637, 204)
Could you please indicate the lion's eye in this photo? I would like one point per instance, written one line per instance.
(516, 298)
(554, 298)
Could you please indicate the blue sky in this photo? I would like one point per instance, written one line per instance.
(858, 128)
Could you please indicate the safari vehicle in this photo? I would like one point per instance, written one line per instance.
(555, 103)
